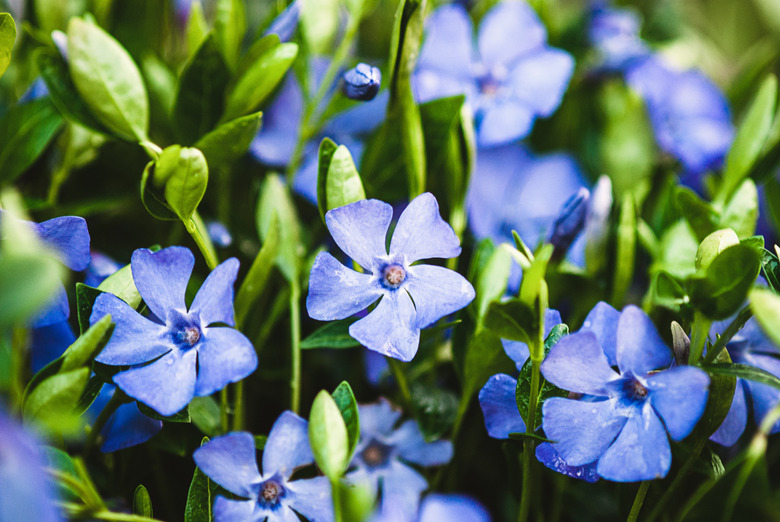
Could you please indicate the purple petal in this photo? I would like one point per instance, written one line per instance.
(765, 397)
(285, 24)
(641, 451)
(447, 46)
(421, 233)
(390, 328)
(679, 396)
(225, 355)
(161, 277)
(311, 498)
(452, 508)
(135, 339)
(166, 385)
(287, 447)
(360, 229)
(401, 489)
(430, 84)
(234, 510)
(336, 292)
(48, 343)
(56, 310)
(69, 237)
(582, 430)
(577, 363)
(504, 121)
(128, 427)
(231, 462)
(411, 446)
(640, 348)
(734, 424)
(602, 320)
(509, 30)
(214, 301)
(378, 418)
(437, 292)
(499, 406)
(540, 79)
(275, 142)
(546, 454)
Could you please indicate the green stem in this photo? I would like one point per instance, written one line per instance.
(238, 406)
(224, 410)
(295, 346)
(152, 150)
(701, 328)
(400, 377)
(19, 347)
(196, 229)
(335, 488)
(122, 517)
(676, 484)
(116, 400)
(638, 501)
(58, 176)
(744, 315)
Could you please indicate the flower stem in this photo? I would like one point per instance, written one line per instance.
(403, 382)
(700, 330)
(678, 479)
(638, 501)
(335, 488)
(196, 229)
(295, 345)
(744, 315)
(238, 406)
(224, 409)
(116, 400)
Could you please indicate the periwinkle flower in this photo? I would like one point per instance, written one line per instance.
(512, 77)
(411, 296)
(175, 353)
(382, 453)
(624, 425)
(362, 82)
(230, 461)
(100, 268)
(569, 222)
(437, 507)
(614, 33)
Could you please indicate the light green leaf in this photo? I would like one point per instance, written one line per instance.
(28, 282)
(714, 244)
(121, 284)
(325, 155)
(741, 212)
(228, 142)
(197, 27)
(142, 502)
(205, 414)
(254, 283)
(229, 29)
(626, 249)
(88, 345)
(492, 281)
(319, 22)
(185, 174)
(723, 287)
(343, 185)
(766, 308)
(7, 39)
(51, 403)
(328, 436)
(275, 199)
(533, 277)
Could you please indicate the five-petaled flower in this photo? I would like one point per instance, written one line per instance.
(230, 461)
(175, 353)
(623, 422)
(412, 296)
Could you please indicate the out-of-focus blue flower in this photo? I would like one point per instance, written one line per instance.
(412, 296)
(381, 454)
(49, 342)
(362, 82)
(219, 234)
(623, 426)
(569, 223)
(175, 353)
(230, 461)
(27, 493)
(100, 267)
(510, 79)
(752, 347)
(285, 24)
(35, 91)
(614, 33)
(437, 508)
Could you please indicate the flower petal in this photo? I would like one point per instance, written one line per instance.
(509, 30)
(504, 121)
(161, 277)
(421, 233)
(546, 454)
(401, 489)
(274, 143)
(447, 47)
(453, 508)
(56, 310)
(135, 339)
(518, 351)
(48, 343)
(69, 237)
(214, 301)
(540, 79)
(412, 447)
(234, 510)
(577, 363)
(128, 427)
(499, 406)
(287, 447)
(336, 292)
(602, 320)
(390, 328)
(231, 462)
(582, 430)
(641, 451)
(166, 385)
(640, 348)
(765, 397)
(311, 498)
(679, 396)
(378, 418)
(436, 292)
(225, 355)
(734, 424)
(430, 84)
(360, 229)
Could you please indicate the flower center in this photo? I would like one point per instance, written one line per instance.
(190, 335)
(270, 491)
(375, 454)
(393, 275)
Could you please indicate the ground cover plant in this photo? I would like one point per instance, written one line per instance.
(389, 260)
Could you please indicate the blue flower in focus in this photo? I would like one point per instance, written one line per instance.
(362, 82)
(175, 353)
(622, 427)
(752, 347)
(27, 492)
(512, 77)
(410, 296)
(381, 454)
(230, 461)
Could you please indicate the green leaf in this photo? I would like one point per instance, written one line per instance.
(626, 249)
(533, 277)
(259, 80)
(197, 27)
(513, 319)
(723, 287)
(90, 393)
(85, 299)
(334, 334)
(7, 39)
(205, 414)
(766, 308)
(699, 214)
(62, 462)
(108, 80)
(741, 212)
(485, 356)
(200, 497)
(121, 284)
(667, 291)
(522, 435)
(182, 416)
(491, 281)
(275, 199)
(719, 400)
(750, 138)
(25, 132)
(89, 344)
(142, 502)
(28, 282)
(328, 436)
(254, 283)
(435, 409)
(185, 174)
(319, 23)
(771, 268)
(345, 400)
(229, 29)
(342, 182)
(153, 198)
(714, 244)
(201, 91)
(325, 155)
(228, 142)
(677, 250)
(743, 371)
(546, 389)
(53, 401)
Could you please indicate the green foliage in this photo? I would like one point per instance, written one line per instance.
(766, 307)
(7, 39)
(491, 281)
(142, 502)
(25, 132)
(255, 281)
(200, 497)
(721, 289)
(52, 403)
(320, 24)
(328, 436)
(347, 404)
(228, 142)
(275, 200)
(546, 389)
(338, 181)
(184, 174)
(334, 334)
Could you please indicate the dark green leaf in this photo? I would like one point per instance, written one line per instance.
(723, 287)
(512, 319)
(92, 390)
(142, 502)
(328, 436)
(153, 198)
(435, 409)
(345, 400)
(546, 389)
(485, 356)
(181, 416)
(228, 142)
(334, 334)
(719, 400)
(771, 268)
(699, 214)
(521, 435)
(667, 291)
(85, 299)
(200, 497)
(7, 39)
(205, 414)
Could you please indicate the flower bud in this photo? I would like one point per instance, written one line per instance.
(569, 222)
(361, 82)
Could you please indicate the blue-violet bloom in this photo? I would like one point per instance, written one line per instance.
(614, 33)
(362, 82)
(175, 353)
(231, 462)
(411, 296)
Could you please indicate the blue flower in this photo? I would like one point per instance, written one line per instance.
(752, 347)
(437, 508)
(410, 296)
(614, 33)
(362, 82)
(623, 425)
(381, 453)
(175, 353)
(569, 222)
(512, 78)
(100, 268)
(230, 461)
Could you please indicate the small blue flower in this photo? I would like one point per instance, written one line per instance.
(381, 453)
(623, 425)
(437, 507)
(362, 82)
(614, 33)
(569, 223)
(230, 461)
(175, 353)
(410, 296)
(512, 78)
